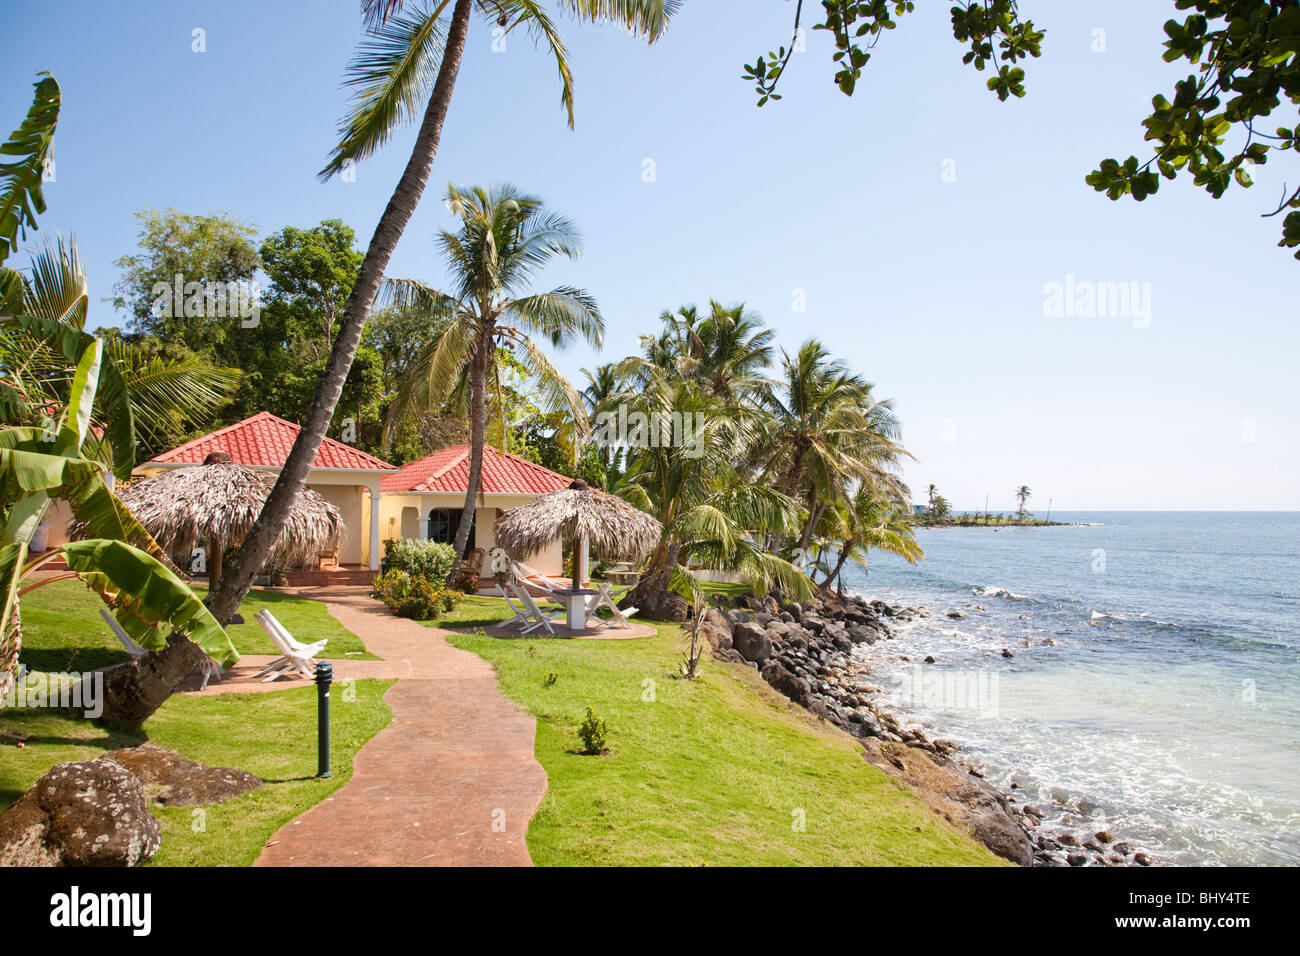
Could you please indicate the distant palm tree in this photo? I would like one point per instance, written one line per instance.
(1023, 494)
(503, 239)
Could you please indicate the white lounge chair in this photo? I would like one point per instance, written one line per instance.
(297, 656)
(530, 616)
(605, 597)
(209, 668)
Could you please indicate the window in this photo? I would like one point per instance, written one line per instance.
(443, 524)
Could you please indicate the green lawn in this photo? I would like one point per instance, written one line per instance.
(63, 631)
(272, 735)
(716, 771)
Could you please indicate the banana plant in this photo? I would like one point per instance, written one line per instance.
(37, 465)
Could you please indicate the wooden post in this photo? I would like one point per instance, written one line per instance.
(214, 564)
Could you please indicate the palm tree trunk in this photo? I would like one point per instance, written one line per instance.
(477, 437)
(151, 681)
(11, 643)
(839, 566)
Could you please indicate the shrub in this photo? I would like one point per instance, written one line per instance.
(593, 733)
(550, 679)
(415, 596)
(432, 560)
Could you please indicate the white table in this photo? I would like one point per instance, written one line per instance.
(575, 603)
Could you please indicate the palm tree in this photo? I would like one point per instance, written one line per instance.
(408, 59)
(827, 433)
(711, 513)
(868, 521)
(726, 353)
(1023, 494)
(503, 239)
(164, 397)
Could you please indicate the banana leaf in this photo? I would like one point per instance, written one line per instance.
(148, 600)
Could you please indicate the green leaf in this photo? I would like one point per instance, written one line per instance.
(147, 598)
(21, 197)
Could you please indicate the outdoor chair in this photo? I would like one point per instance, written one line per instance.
(209, 668)
(607, 597)
(297, 656)
(529, 615)
(464, 577)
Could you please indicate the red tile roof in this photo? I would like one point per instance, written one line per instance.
(266, 440)
(447, 470)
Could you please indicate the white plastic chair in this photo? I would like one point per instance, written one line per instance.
(531, 616)
(297, 656)
(209, 668)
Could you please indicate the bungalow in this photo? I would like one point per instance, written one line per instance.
(425, 498)
(347, 478)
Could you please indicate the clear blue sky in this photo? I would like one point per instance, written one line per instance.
(932, 289)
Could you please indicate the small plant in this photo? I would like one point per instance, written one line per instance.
(593, 733)
(695, 649)
(530, 650)
(415, 596)
(550, 679)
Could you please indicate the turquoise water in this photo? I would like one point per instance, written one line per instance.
(1155, 684)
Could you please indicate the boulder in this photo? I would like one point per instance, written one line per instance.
(862, 634)
(787, 683)
(751, 642)
(89, 813)
(660, 605)
(171, 780)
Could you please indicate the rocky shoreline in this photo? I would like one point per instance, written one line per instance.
(804, 650)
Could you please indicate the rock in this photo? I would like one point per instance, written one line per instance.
(718, 638)
(862, 634)
(751, 642)
(1007, 653)
(929, 659)
(948, 789)
(1077, 859)
(1123, 848)
(1068, 839)
(659, 605)
(1104, 836)
(171, 780)
(782, 680)
(91, 813)
(1094, 846)
(956, 615)
(1141, 859)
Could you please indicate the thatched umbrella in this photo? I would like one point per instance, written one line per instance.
(217, 502)
(615, 530)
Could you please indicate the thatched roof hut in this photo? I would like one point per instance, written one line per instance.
(216, 503)
(616, 530)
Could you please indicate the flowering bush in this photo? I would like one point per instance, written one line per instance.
(415, 596)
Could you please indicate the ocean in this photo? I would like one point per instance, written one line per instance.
(1154, 684)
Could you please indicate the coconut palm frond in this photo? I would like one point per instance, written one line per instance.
(391, 76)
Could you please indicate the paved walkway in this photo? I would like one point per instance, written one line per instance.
(452, 781)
